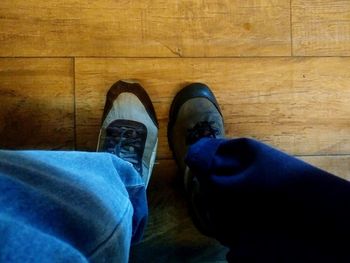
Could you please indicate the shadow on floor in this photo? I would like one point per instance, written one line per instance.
(170, 235)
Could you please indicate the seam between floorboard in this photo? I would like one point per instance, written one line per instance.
(291, 28)
(298, 156)
(74, 105)
(138, 57)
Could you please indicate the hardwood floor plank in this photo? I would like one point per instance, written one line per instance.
(178, 28)
(300, 105)
(337, 165)
(36, 104)
(321, 27)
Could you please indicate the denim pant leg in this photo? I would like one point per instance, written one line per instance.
(68, 207)
(267, 206)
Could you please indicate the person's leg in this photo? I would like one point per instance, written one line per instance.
(265, 205)
(268, 206)
(65, 206)
(75, 206)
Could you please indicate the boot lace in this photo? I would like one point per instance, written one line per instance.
(200, 130)
(126, 143)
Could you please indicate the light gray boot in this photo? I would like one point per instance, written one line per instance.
(129, 127)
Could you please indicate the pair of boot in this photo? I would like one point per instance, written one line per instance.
(130, 127)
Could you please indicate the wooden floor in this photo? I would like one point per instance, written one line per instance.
(279, 69)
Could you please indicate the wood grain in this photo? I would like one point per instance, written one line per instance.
(321, 27)
(124, 28)
(337, 165)
(300, 105)
(36, 104)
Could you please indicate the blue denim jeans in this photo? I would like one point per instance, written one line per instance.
(68, 207)
(267, 206)
(264, 205)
